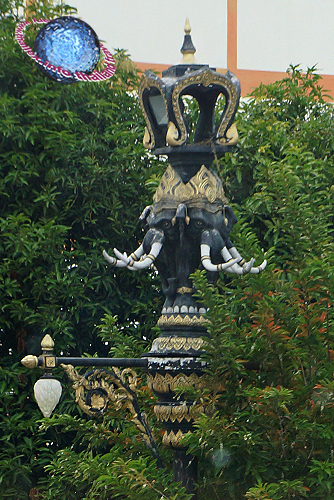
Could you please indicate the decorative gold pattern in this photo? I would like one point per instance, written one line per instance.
(97, 402)
(204, 188)
(177, 343)
(167, 383)
(50, 361)
(169, 320)
(171, 413)
(172, 439)
(145, 84)
(109, 383)
(232, 136)
(205, 78)
(147, 139)
(172, 136)
(184, 289)
(120, 387)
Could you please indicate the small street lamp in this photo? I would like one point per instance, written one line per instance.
(186, 228)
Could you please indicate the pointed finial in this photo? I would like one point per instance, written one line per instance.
(188, 50)
(47, 342)
(187, 28)
(30, 361)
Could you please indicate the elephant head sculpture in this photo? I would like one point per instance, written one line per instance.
(187, 228)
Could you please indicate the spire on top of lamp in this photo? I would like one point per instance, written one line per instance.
(188, 50)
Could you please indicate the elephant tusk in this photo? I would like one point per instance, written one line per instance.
(236, 268)
(108, 258)
(207, 264)
(259, 269)
(145, 213)
(135, 256)
(247, 266)
(122, 256)
(148, 260)
(113, 261)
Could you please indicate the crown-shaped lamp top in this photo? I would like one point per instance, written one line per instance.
(166, 101)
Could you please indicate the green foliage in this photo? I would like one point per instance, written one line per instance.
(271, 346)
(277, 119)
(73, 174)
(107, 459)
(282, 490)
(72, 182)
(109, 476)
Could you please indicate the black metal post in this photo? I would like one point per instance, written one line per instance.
(112, 362)
(185, 470)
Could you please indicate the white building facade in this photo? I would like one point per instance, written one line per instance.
(256, 39)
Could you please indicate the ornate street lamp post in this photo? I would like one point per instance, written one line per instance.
(187, 228)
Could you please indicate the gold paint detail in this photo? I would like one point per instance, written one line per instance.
(188, 58)
(172, 136)
(171, 319)
(172, 439)
(97, 402)
(232, 136)
(178, 343)
(187, 27)
(30, 361)
(147, 141)
(119, 387)
(47, 343)
(173, 413)
(204, 188)
(164, 384)
(184, 289)
(206, 78)
(146, 84)
(50, 361)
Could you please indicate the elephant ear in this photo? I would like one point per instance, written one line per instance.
(229, 220)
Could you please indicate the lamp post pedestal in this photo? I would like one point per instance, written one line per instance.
(174, 363)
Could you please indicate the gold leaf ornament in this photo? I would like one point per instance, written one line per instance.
(172, 136)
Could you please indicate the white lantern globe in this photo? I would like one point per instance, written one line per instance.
(47, 392)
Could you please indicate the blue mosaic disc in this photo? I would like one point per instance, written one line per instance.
(68, 43)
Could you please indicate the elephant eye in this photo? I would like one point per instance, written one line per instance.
(199, 223)
(166, 223)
